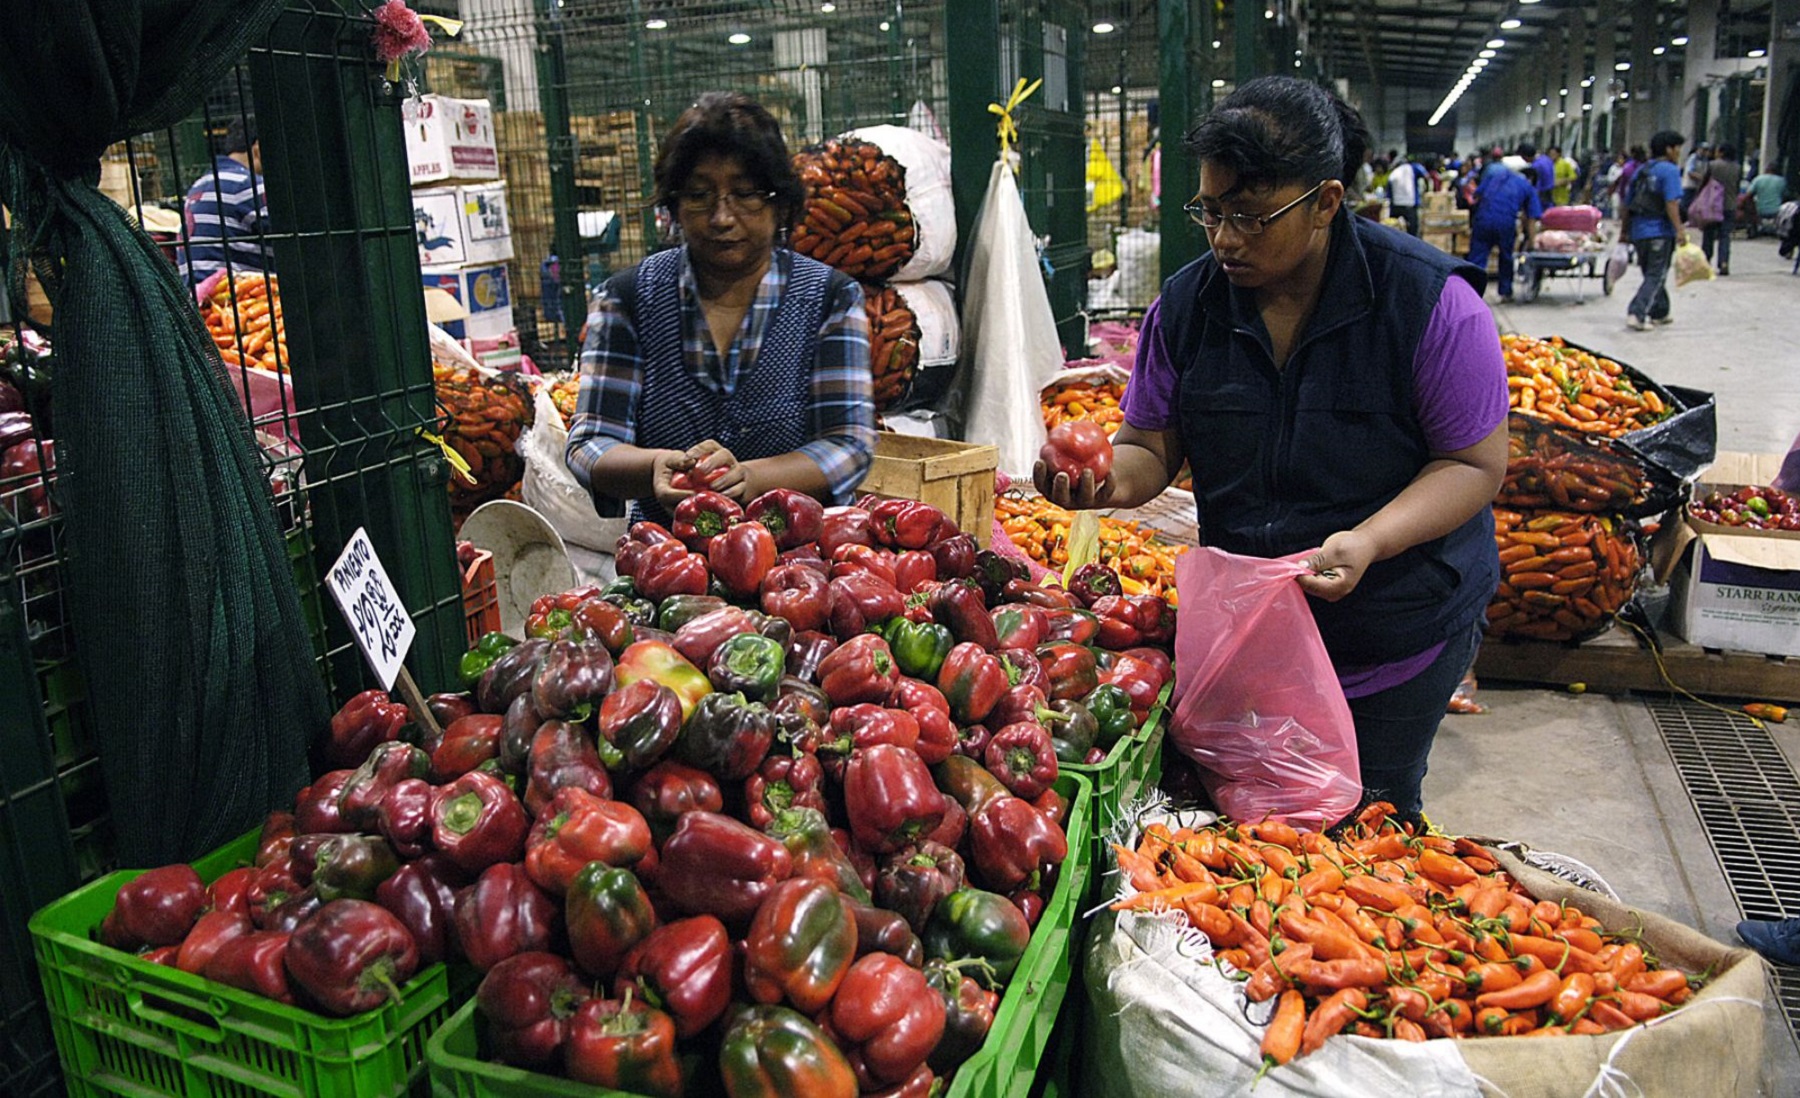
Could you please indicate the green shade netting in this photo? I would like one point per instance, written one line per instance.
(202, 688)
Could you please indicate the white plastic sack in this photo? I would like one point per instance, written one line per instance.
(1140, 266)
(1009, 332)
(928, 195)
(940, 333)
(552, 489)
(1618, 262)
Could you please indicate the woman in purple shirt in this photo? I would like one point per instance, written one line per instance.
(1339, 391)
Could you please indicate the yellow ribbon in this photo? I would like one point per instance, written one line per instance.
(455, 459)
(450, 27)
(1009, 130)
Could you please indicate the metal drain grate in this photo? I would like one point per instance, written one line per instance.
(1748, 799)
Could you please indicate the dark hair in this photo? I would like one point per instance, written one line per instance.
(737, 126)
(1527, 150)
(1663, 140)
(1276, 129)
(240, 134)
(1639, 153)
(1727, 152)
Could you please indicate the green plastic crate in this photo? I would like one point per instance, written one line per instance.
(1005, 1066)
(1132, 766)
(125, 1026)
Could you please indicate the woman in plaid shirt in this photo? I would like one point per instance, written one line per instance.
(730, 357)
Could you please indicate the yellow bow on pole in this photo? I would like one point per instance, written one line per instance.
(1009, 130)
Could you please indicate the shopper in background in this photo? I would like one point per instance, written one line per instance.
(1606, 182)
(1403, 186)
(227, 210)
(1495, 162)
(1693, 173)
(1621, 190)
(730, 356)
(1563, 173)
(1727, 172)
(1653, 224)
(1363, 423)
(1767, 192)
(1501, 203)
(1542, 173)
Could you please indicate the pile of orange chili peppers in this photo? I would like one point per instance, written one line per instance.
(1145, 564)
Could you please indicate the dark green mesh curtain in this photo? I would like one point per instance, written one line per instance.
(185, 613)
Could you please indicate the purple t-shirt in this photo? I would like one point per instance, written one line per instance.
(1459, 397)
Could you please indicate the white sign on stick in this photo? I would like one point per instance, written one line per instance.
(383, 629)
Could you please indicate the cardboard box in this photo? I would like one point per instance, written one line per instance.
(1737, 590)
(501, 353)
(449, 138)
(462, 225)
(485, 291)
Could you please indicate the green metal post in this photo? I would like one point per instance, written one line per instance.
(973, 75)
(553, 96)
(646, 156)
(1246, 35)
(1182, 242)
(338, 186)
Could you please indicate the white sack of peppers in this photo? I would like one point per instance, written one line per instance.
(1162, 1019)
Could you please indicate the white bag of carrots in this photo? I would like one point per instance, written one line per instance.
(912, 329)
(878, 204)
(1170, 1011)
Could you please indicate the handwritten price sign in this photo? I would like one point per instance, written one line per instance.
(383, 629)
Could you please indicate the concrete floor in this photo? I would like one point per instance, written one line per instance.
(1589, 776)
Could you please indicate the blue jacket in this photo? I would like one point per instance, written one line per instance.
(1283, 458)
(1499, 201)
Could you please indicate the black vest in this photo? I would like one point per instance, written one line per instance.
(1284, 458)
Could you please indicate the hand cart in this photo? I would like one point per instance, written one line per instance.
(1535, 267)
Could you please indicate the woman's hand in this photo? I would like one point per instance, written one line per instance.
(1076, 495)
(715, 468)
(1338, 565)
(663, 468)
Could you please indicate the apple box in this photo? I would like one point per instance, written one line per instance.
(483, 290)
(462, 225)
(449, 138)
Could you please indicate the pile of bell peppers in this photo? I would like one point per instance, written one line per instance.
(783, 791)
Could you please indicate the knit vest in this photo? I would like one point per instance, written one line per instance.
(769, 412)
(1284, 458)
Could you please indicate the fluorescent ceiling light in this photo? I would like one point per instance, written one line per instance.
(1103, 28)
(1486, 54)
(1116, 89)
(884, 25)
(827, 8)
(1543, 102)
(1658, 51)
(1622, 66)
(1495, 43)
(1510, 24)
(1679, 40)
(1217, 44)
(1759, 53)
(1218, 83)
(738, 38)
(656, 24)
(1587, 106)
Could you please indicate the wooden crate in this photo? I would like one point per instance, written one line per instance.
(955, 477)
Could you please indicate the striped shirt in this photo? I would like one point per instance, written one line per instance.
(840, 413)
(229, 206)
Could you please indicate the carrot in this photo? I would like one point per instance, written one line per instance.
(1281, 1041)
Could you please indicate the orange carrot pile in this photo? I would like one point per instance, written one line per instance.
(1575, 389)
(243, 316)
(1563, 575)
(1388, 933)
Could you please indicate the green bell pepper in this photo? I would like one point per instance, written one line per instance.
(919, 647)
(1111, 708)
(971, 922)
(749, 664)
(479, 658)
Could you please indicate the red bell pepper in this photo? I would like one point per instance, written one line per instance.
(509, 675)
(909, 524)
(800, 945)
(607, 912)
(230, 892)
(1094, 581)
(155, 908)
(848, 560)
(968, 782)
(578, 828)
(972, 681)
(1030, 903)
(795, 518)
(1023, 668)
(637, 726)
(601, 622)
(527, 1001)
(702, 517)
(1053, 805)
(669, 569)
(502, 915)
(1023, 758)
(572, 679)
(387, 764)
(467, 744)
(1045, 595)
(562, 757)
(1019, 625)
(211, 931)
(1071, 669)
(783, 782)
(889, 798)
(972, 741)
(1157, 658)
(861, 860)
(741, 557)
(960, 605)
(714, 865)
(844, 526)
(1021, 703)
(968, 1014)
(806, 651)
(477, 821)
(994, 570)
(797, 593)
(950, 832)
(316, 806)
(1141, 682)
(912, 569)
(293, 911)
(683, 968)
(861, 601)
(268, 890)
(1127, 621)
(624, 1046)
(955, 556)
(669, 790)
(774, 1052)
(937, 731)
(352, 866)
(914, 878)
(1012, 843)
(862, 669)
(518, 728)
(865, 725)
(367, 719)
(663, 663)
(255, 962)
(728, 736)
(815, 850)
(889, 1016)
(1077, 626)
(422, 895)
(22, 466)
(350, 956)
(278, 831)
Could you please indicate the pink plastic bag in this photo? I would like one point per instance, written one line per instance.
(1260, 709)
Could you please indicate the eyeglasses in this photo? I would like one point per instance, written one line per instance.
(702, 202)
(1245, 224)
